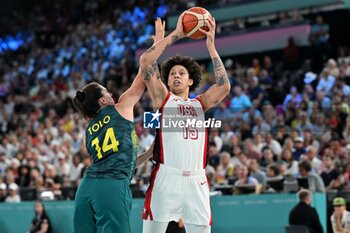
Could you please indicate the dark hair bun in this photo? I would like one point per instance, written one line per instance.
(80, 96)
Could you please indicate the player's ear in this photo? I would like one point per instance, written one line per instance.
(102, 101)
(190, 83)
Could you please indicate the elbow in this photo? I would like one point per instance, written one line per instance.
(226, 88)
(147, 58)
(144, 60)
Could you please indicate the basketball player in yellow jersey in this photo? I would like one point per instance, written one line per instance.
(178, 186)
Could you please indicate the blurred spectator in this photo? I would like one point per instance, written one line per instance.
(291, 55)
(273, 172)
(244, 177)
(267, 157)
(258, 142)
(75, 170)
(260, 126)
(330, 175)
(315, 182)
(333, 67)
(250, 150)
(281, 134)
(273, 144)
(226, 136)
(294, 97)
(346, 132)
(291, 164)
(239, 24)
(222, 112)
(13, 197)
(23, 178)
(210, 173)
(326, 82)
(215, 137)
(256, 173)
(299, 148)
(319, 38)
(250, 115)
(340, 218)
(41, 221)
(213, 156)
(304, 214)
(343, 56)
(146, 140)
(296, 16)
(225, 170)
(240, 102)
(311, 156)
(309, 139)
(325, 101)
(3, 192)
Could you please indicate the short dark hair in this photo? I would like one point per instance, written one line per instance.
(306, 165)
(303, 194)
(193, 69)
(86, 100)
(275, 168)
(266, 148)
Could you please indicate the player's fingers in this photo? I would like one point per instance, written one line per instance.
(160, 23)
(182, 15)
(164, 23)
(212, 19)
(211, 23)
(204, 32)
(211, 28)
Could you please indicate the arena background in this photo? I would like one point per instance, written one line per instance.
(294, 81)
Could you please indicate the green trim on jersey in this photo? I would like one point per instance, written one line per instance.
(112, 143)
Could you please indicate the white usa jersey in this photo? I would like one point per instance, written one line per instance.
(181, 143)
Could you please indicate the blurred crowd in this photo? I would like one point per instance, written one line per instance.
(282, 118)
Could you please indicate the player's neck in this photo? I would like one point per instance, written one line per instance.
(183, 95)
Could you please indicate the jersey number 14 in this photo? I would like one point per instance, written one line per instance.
(109, 143)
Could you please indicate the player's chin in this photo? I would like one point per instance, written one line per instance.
(175, 88)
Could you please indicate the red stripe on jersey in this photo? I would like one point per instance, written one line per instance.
(206, 138)
(160, 129)
(205, 148)
(147, 205)
(199, 100)
(211, 219)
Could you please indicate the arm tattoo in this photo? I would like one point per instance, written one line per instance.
(220, 72)
(156, 70)
(150, 49)
(174, 38)
(149, 72)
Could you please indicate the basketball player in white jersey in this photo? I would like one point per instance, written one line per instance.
(178, 186)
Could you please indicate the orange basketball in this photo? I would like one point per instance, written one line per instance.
(194, 19)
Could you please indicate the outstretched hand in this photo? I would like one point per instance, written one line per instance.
(159, 30)
(211, 33)
(179, 27)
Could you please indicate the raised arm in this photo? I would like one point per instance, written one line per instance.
(218, 91)
(149, 67)
(132, 95)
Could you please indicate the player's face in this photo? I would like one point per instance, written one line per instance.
(106, 98)
(179, 79)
